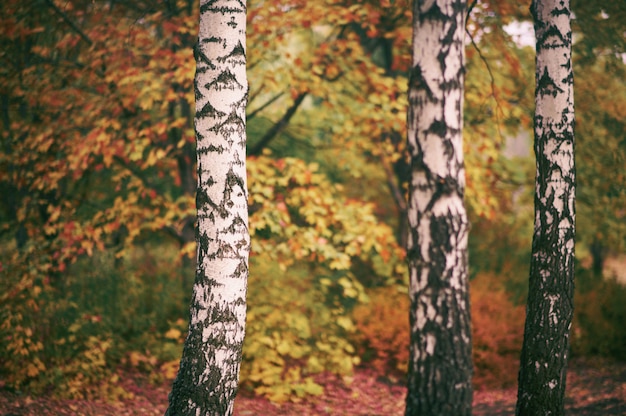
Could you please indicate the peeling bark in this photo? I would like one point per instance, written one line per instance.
(207, 381)
(440, 365)
(550, 306)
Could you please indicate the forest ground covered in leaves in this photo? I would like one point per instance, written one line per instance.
(595, 388)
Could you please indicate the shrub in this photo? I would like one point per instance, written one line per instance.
(68, 337)
(293, 333)
(599, 316)
(382, 335)
(497, 331)
(21, 323)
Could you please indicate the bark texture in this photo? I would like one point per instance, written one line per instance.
(207, 381)
(440, 366)
(551, 286)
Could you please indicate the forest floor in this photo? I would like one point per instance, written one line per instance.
(594, 388)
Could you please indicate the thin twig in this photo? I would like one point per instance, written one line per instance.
(469, 11)
(396, 191)
(278, 127)
(264, 106)
(493, 82)
(69, 21)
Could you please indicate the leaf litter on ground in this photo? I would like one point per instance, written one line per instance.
(594, 388)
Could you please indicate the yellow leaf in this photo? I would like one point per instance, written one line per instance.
(173, 333)
(32, 370)
(54, 213)
(135, 155)
(88, 246)
(36, 291)
(283, 347)
(345, 323)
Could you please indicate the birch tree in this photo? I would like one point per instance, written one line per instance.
(207, 381)
(440, 364)
(549, 308)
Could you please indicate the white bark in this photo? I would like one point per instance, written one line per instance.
(440, 366)
(207, 380)
(551, 286)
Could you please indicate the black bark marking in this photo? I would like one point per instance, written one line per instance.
(201, 58)
(447, 40)
(234, 185)
(214, 39)
(219, 149)
(453, 84)
(196, 90)
(237, 55)
(203, 201)
(417, 82)
(444, 186)
(552, 39)
(214, 7)
(417, 157)
(224, 315)
(439, 128)
(237, 224)
(547, 86)
(203, 242)
(224, 81)
(569, 79)
(560, 12)
(209, 110)
(241, 104)
(233, 125)
(439, 248)
(241, 270)
(433, 14)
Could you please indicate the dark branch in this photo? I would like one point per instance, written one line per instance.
(264, 106)
(493, 81)
(396, 191)
(69, 21)
(252, 97)
(135, 171)
(278, 127)
(172, 232)
(469, 12)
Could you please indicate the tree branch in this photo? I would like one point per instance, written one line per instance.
(469, 11)
(264, 106)
(135, 171)
(493, 82)
(396, 192)
(67, 20)
(278, 127)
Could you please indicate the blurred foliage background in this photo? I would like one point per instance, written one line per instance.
(97, 179)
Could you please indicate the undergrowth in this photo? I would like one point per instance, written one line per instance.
(497, 330)
(72, 337)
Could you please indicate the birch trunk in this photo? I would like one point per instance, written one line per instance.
(440, 366)
(551, 285)
(207, 381)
